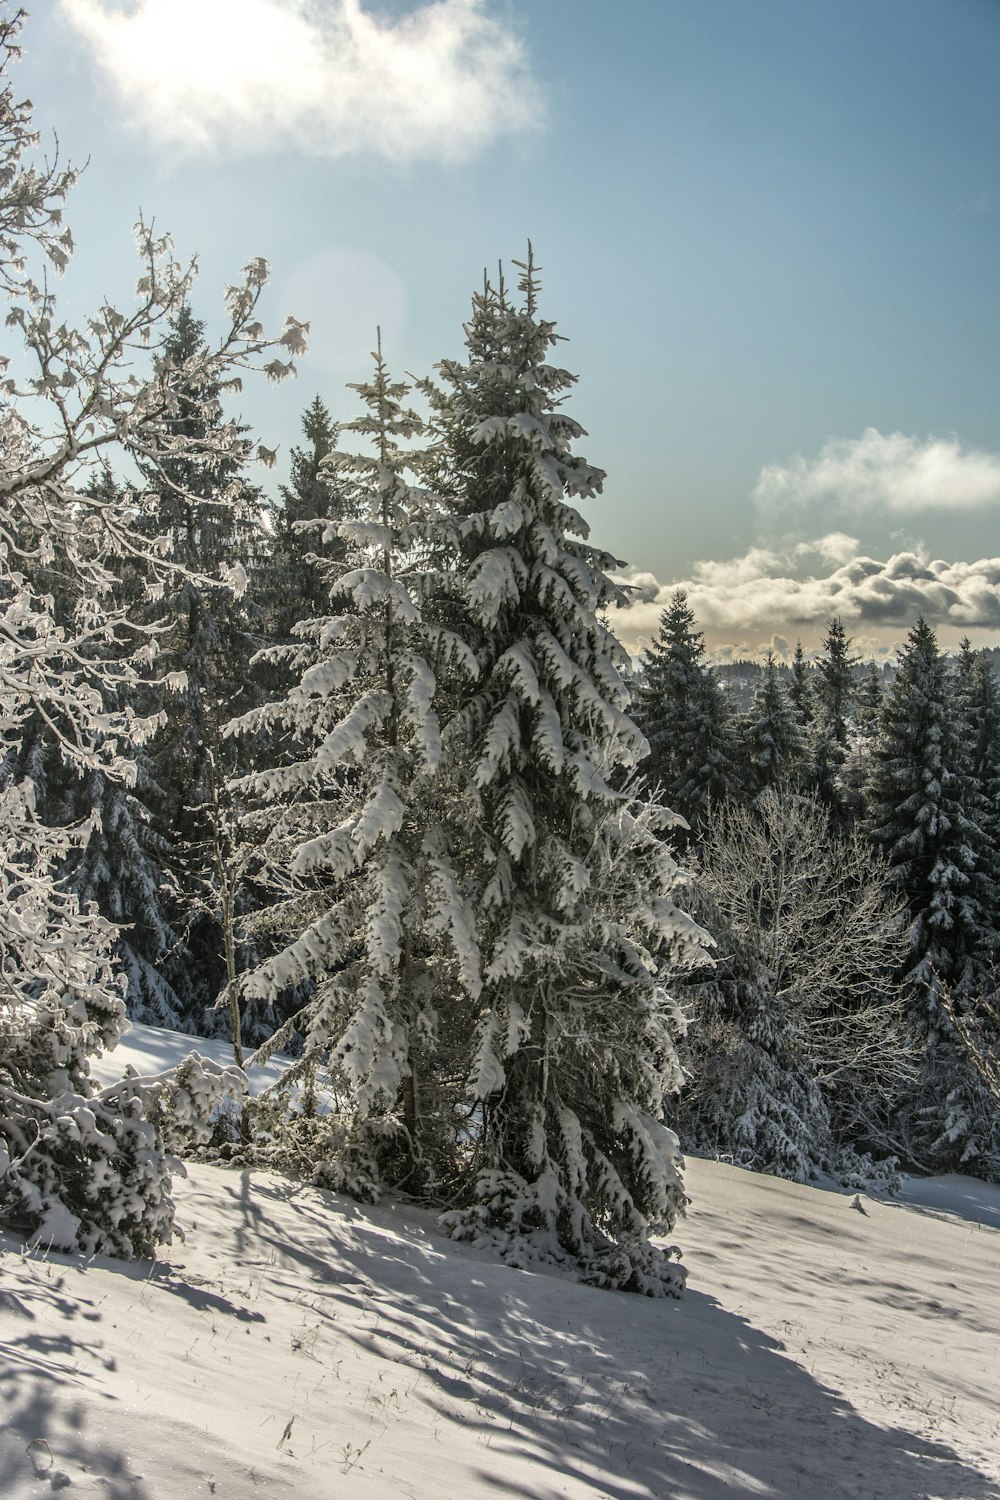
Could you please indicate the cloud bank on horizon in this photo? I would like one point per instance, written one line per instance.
(258, 75)
(760, 592)
(798, 586)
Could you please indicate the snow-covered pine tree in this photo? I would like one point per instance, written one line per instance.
(120, 871)
(79, 1167)
(209, 515)
(382, 943)
(305, 521)
(977, 700)
(972, 1004)
(915, 814)
(917, 817)
(830, 734)
(684, 715)
(574, 1056)
(771, 740)
(868, 703)
(800, 690)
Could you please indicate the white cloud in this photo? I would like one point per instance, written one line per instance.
(835, 547)
(328, 78)
(765, 590)
(893, 473)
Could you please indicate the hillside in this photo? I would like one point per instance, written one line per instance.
(299, 1344)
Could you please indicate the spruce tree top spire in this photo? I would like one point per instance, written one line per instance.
(528, 282)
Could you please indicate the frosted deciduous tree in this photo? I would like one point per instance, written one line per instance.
(574, 1048)
(79, 1167)
(799, 1046)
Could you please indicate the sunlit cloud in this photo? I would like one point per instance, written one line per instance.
(750, 597)
(891, 473)
(331, 79)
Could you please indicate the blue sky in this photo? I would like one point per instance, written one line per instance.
(769, 228)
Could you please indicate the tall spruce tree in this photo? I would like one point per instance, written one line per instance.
(575, 1037)
(977, 702)
(683, 713)
(862, 736)
(916, 815)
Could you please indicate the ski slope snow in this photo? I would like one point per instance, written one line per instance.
(299, 1344)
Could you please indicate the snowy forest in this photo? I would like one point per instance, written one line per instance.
(361, 776)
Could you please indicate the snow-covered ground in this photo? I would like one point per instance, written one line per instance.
(298, 1344)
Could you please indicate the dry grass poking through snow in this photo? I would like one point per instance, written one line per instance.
(299, 1345)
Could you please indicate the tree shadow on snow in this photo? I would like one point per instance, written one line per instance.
(47, 1436)
(630, 1398)
(53, 1384)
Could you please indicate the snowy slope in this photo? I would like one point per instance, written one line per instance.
(822, 1350)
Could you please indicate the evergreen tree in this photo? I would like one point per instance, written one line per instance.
(834, 695)
(978, 741)
(772, 741)
(210, 517)
(574, 1049)
(120, 869)
(682, 711)
(862, 736)
(381, 941)
(916, 815)
(305, 538)
(868, 704)
(800, 690)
